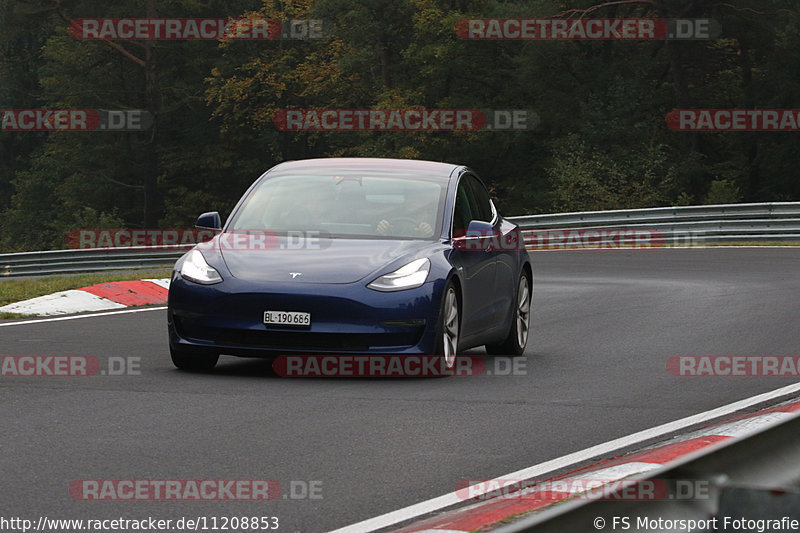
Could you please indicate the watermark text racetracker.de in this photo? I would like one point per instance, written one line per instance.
(588, 486)
(124, 238)
(197, 29)
(250, 490)
(29, 366)
(586, 29)
(25, 120)
(780, 366)
(396, 366)
(734, 120)
(405, 120)
(253, 240)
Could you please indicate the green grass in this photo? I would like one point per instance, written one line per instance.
(16, 290)
(4, 316)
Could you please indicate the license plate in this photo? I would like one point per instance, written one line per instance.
(287, 318)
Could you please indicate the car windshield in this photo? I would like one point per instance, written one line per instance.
(344, 205)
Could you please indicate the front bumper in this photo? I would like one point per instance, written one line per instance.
(227, 318)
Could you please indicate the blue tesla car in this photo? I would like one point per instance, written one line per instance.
(354, 256)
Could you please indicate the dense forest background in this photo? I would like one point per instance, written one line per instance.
(603, 142)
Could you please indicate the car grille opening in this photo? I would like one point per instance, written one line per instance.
(300, 340)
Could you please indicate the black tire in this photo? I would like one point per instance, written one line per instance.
(517, 338)
(449, 325)
(193, 361)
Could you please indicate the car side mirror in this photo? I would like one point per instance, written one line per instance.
(210, 220)
(478, 236)
(479, 228)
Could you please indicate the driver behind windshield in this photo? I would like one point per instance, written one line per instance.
(414, 219)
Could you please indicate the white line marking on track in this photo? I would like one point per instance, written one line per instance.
(451, 498)
(75, 317)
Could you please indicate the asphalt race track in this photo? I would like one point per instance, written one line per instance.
(605, 324)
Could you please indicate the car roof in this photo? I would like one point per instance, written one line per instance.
(333, 164)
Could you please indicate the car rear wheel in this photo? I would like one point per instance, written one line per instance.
(517, 339)
(192, 360)
(449, 327)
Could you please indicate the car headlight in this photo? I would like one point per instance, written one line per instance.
(195, 268)
(410, 276)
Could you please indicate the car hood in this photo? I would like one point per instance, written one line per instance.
(329, 260)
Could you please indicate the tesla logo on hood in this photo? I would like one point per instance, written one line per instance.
(295, 274)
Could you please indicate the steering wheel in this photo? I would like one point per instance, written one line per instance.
(402, 226)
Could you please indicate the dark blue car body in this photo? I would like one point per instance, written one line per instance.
(331, 283)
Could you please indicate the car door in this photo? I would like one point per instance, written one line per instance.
(503, 251)
(475, 262)
(505, 277)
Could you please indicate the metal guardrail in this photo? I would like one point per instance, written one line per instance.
(667, 214)
(691, 225)
(88, 260)
(755, 477)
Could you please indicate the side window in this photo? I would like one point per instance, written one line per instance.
(482, 206)
(463, 210)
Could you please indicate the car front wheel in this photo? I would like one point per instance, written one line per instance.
(448, 329)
